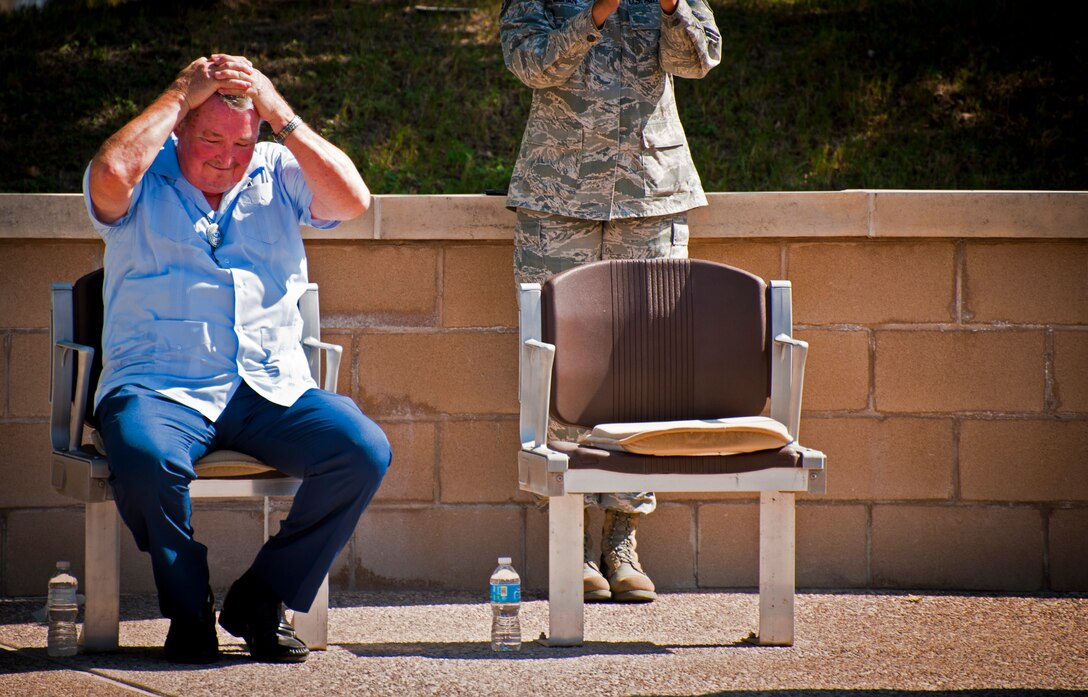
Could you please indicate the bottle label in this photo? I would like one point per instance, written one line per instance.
(61, 596)
(506, 592)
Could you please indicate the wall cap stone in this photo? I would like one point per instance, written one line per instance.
(860, 213)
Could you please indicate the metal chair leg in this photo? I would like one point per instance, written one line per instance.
(566, 623)
(102, 587)
(313, 627)
(777, 540)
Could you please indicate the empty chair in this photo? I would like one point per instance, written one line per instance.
(669, 365)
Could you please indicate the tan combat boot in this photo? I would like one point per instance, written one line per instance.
(594, 585)
(619, 562)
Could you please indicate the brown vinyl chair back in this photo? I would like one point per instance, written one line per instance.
(656, 340)
(87, 322)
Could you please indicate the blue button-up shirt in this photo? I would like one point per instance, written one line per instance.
(193, 322)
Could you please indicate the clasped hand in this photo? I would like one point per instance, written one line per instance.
(603, 9)
(230, 75)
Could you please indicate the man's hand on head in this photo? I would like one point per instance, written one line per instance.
(204, 77)
(121, 162)
(339, 192)
(236, 75)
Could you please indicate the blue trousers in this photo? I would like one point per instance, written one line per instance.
(323, 439)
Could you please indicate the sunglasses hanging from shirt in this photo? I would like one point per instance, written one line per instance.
(217, 231)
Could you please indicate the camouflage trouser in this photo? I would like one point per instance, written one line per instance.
(546, 244)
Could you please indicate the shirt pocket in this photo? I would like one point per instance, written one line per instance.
(168, 218)
(181, 336)
(282, 350)
(183, 348)
(562, 11)
(552, 132)
(551, 149)
(642, 57)
(664, 158)
(250, 214)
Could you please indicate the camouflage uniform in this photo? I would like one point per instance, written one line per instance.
(604, 170)
(546, 244)
(603, 139)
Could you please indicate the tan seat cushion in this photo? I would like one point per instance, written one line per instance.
(229, 464)
(220, 464)
(699, 437)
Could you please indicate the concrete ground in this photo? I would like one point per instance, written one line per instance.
(395, 643)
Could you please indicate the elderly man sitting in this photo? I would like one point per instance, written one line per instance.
(204, 267)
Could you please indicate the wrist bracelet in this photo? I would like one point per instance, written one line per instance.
(294, 123)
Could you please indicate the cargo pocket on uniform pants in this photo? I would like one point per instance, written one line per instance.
(528, 250)
(680, 236)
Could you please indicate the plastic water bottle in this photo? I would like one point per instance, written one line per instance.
(62, 608)
(505, 606)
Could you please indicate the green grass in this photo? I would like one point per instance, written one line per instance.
(811, 94)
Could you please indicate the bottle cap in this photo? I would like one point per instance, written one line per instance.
(504, 560)
(63, 565)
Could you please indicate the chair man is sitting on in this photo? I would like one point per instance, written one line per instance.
(204, 267)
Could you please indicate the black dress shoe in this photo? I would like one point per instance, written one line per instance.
(252, 612)
(193, 639)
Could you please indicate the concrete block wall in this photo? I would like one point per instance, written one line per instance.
(947, 382)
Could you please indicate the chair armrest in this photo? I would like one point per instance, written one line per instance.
(68, 394)
(333, 354)
(535, 392)
(541, 471)
(528, 318)
(797, 353)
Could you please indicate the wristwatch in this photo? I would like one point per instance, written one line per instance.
(294, 123)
